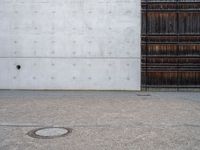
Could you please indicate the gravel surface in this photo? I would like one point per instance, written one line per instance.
(101, 120)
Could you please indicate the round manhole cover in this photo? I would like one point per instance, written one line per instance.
(49, 133)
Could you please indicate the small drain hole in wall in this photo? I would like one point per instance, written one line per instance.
(18, 67)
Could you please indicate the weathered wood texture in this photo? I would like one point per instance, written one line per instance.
(171, 43)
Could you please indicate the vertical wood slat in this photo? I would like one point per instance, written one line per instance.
(171, 43)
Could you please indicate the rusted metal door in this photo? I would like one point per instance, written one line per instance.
(171, 44)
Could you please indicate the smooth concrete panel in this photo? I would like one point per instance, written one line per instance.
(69, 31)
(64, 46)
(45, 73)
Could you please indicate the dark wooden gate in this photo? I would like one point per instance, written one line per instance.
(171, 44)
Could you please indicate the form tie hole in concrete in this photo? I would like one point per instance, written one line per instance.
(18, 67)
(49, 133)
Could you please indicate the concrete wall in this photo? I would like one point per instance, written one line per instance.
(70, 44)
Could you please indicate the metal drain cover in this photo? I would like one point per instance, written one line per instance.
(143, 94)
(49, 133)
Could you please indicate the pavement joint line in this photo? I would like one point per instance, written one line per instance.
(72, 126)
(101, 126)
(75, 126)
(21, 126)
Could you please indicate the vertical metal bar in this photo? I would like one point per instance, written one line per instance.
(146, 46)
(178, 43)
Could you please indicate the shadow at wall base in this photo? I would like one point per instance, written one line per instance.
(171, 89)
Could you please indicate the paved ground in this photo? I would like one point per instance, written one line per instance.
(101, 120)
